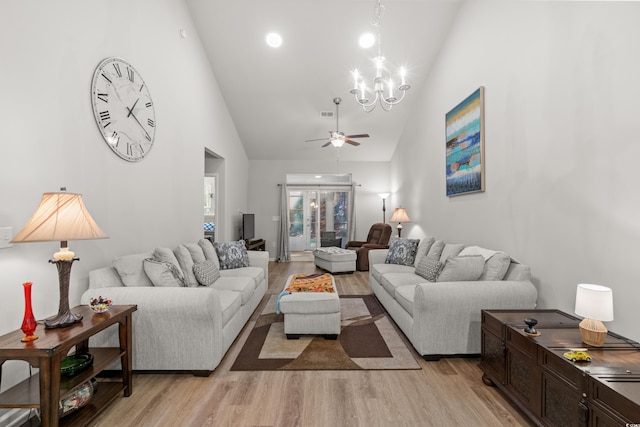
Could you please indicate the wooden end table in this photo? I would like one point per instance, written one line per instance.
(45, 389)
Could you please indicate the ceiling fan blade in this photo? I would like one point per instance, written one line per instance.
(314, 140)
(348, 141)
(327, 144)
(363, 135)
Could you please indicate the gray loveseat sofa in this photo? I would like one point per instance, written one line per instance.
(443, 317)
(181, 324)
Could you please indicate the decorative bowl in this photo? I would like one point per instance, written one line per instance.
(100, 305)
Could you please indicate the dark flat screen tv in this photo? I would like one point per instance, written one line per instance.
(248, 226)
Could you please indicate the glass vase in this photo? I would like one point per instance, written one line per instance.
(29, 323)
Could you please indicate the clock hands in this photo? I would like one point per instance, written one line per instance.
(132, 107)
(130, 110)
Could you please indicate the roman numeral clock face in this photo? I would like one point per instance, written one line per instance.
(123, 109)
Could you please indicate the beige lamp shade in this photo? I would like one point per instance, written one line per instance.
(61, 216)
(400, 215)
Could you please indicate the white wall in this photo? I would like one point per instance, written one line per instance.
(562, 130)
(49, 52)
(264, 193)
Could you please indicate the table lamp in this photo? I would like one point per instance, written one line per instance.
(400, 216)
(383, 196)
(61, 216)
(595, 304)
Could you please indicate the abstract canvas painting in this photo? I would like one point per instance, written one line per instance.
(465, 145)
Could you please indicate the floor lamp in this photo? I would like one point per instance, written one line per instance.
(61, 217)
(383, 196)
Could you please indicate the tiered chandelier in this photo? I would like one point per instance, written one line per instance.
(381, 81)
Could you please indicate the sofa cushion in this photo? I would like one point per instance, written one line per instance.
(186, 264)
(429, 268)
(232, 254)
(230, 302)
(461, 269)
(423, 248)
(402, 251)
(163, 273)
(435, 251)
(206, 272)
(242, 285)
(256, 273)
(391, 281)
(496, 267)
(197, 254)
(496, 263)
(379, 270)
(404, 296)
(167, 255)
(451, 250)
(209, 251)
(131, 270)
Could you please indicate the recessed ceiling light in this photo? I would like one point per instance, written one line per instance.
(274, 39)
(367, 40)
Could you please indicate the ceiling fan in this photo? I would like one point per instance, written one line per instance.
(337, 138)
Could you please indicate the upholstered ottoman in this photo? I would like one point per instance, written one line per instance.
(310, 312)
(335, 260)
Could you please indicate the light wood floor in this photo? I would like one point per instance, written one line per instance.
(449, 392)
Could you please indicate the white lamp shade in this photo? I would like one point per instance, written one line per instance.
(60, 216)
(594, 302)
(400, 215)
(384, 195)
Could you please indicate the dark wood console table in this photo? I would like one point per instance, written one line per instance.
(256, 245)
(45, 389)
(553, 391)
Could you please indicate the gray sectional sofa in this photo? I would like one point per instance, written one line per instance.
(442, 317)
(181, 324)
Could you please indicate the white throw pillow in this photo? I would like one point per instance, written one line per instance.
(461, 269)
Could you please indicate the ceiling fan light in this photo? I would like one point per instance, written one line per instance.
(367, 40)
(337, 142)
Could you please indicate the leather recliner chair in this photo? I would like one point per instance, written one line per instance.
(378, 238)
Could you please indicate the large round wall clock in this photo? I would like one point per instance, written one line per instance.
(123, 109)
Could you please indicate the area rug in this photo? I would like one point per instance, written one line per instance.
(368, 340)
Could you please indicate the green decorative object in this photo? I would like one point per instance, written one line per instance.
(73, 364)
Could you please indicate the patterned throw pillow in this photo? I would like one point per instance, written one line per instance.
(429, 268)
(232, 254)
(206, 272)
(163, 273)
(402, 251)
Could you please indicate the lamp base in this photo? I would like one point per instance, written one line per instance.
(62, 320)
(64, 317)
(593, 332)
(399, 227)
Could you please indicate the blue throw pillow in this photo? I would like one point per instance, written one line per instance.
(403, 252)
(232, 254)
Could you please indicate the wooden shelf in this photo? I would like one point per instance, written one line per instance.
(45, 389)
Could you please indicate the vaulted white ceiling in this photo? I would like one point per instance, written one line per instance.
(276, 96)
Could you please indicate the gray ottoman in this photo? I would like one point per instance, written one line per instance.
(311, 312)
(335, 260)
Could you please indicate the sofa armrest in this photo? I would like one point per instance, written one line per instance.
(260, 259)
(447, 315)
(377, 256)
(168, 322)
(375, 246)
(354, 244)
